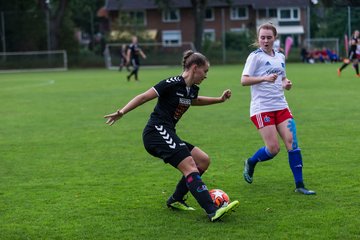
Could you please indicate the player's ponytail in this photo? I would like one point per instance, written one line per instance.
(190, 57)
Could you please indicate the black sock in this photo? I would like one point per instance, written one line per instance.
(200, 192)
(182, 189)
(343, 66)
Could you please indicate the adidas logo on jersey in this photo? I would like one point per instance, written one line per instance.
(267, 63)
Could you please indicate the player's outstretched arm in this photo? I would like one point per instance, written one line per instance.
(202, 100)
(134, 103)
(143, 55)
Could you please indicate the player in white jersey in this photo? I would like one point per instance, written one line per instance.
(265, 72)
(266, 96)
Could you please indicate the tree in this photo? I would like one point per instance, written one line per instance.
(199, 7)
(23, 26)
(330, 18)
(55, 14)
(83, 15)
(340, 3)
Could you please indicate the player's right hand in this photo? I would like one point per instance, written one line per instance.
(113, 117)
(271, 77)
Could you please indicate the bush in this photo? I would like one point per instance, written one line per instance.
(86, 59)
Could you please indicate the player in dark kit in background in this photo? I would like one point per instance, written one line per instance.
(133, 58)
(352, 57)
(175, 95)
(123, 58)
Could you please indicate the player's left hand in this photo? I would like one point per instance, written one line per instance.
(287, 84)
(226, 95)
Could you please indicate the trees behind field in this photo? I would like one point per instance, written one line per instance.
(330, 19)
(33, 25)
(30, 25)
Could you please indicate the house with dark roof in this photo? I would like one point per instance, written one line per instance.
(176, 25)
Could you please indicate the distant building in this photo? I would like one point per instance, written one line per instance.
(174, 26)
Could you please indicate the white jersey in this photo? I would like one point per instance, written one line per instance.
(266, 96)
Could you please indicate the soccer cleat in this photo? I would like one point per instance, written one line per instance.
(304, 191)
(358, 75)
(339, 72)
(248, 172)
(216, 216)
(178, 204)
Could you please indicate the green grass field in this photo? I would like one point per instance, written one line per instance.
(65, 174)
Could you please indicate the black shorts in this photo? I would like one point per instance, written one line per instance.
(352, 55)
(135, 63)
(162, 142)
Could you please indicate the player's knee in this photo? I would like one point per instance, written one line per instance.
(204, 162)
(201, 159)
(274, 149)
(188, 166)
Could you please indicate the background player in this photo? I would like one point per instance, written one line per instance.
(133, 58)
(123, 58)
(353, 56)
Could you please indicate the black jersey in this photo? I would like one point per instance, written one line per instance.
(174, 99)
(353, 46)
(134, 53)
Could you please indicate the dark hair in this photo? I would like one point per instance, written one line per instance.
(190, 57)
(267, 26)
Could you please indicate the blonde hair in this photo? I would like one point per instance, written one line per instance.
(190, 57)
(266, 26)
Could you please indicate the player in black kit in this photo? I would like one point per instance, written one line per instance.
(133, 58)
(353, 55)
(175, 95)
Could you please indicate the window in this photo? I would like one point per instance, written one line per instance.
(238, 13)
(289, 14)
(295, 14)
(171, 15)
(268, 13)
(285, 14)
(209, 14)
(133, 18)
(209, 35)
(272, 13)
(171, 38)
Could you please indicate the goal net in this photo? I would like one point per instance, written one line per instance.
(156, 54)
(321, 43)
(33, 61)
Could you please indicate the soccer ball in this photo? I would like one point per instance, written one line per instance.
(219, 197)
